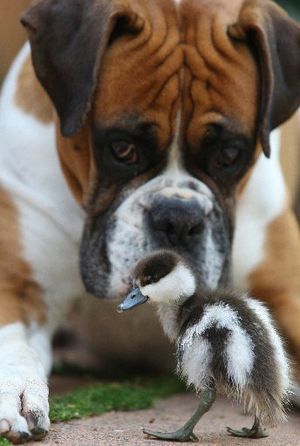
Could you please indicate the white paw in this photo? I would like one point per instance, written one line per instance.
(24, 408)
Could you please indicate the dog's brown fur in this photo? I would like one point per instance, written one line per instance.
(21, 296)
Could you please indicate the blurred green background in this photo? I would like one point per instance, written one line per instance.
(292, 6)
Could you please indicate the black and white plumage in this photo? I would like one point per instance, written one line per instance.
(229, 338)
(226, 342)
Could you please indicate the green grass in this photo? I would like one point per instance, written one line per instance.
(100, 398)
(96, 399)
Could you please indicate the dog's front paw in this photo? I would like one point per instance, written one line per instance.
(24, 408)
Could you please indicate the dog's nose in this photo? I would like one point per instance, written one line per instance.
(177, 219)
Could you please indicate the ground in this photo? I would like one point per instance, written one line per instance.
(125, 427)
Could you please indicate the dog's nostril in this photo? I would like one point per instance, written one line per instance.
(192, 185)
(170, 229)
(195, 230)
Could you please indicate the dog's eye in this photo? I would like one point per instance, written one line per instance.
(226, 157)
(124, 152)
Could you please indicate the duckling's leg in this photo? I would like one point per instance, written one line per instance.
(256, 431)
(186, 432)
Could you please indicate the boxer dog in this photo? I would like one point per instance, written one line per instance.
(138, 125)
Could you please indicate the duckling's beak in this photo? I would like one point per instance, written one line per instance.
(134, 298)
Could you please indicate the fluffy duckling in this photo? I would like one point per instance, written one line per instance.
(226, 342)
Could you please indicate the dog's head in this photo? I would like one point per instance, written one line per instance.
(163, 107)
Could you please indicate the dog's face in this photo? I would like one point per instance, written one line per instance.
(164, 108)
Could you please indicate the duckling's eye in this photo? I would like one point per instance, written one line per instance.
(125, 152)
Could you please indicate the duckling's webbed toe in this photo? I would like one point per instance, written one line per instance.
(256, 431)
(180, 435)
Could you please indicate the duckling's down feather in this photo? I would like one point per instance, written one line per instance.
(231, 341)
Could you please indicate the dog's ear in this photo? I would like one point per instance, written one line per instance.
(275, 41)
(68, 40)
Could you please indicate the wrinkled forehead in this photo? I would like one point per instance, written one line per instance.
(183, 62)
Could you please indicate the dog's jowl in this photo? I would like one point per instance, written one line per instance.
(129, 126)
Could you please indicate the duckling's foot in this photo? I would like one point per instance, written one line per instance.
(256, 431)
(180, 435)
(185, 433)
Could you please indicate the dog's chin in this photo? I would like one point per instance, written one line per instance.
(108, 277)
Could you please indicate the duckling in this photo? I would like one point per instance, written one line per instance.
(226, 342)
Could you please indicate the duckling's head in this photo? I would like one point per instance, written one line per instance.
(161, 277)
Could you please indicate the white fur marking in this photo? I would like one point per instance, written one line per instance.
(262, 200)
(39, 340)
(179, 176)
(174, 152)
(214, 263)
